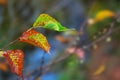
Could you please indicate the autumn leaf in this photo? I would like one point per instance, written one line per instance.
(4, 66)
(101, 16)
(46, 21)
(3, 2)
(104, 14)
(16, 60)
(35, 38)
(100, 70)
(1, 53)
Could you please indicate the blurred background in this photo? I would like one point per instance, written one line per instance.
(90, 54)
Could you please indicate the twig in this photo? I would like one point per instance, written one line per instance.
(10, 44)
(101, 38)
(41, 67)
(62, 58)
(49, 66)
(86, 19)
(107, 34)
(59, 5)
(13, 41)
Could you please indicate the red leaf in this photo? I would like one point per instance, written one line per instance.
(16, 60)
(35, 38)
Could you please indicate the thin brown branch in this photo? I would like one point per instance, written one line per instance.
(4, 48)
(110, 31)
(41, 67)
(101, 38)
(49, 66)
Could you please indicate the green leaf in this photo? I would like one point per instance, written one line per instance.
(55, 26)
(46, 21)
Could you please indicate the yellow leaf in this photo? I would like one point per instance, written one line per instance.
(104, 14)
(1, 53)
(99, 71)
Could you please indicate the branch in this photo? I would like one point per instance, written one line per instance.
(110, 31)
(41, 67)
(49, 66)
(101, 38)
(4, 48)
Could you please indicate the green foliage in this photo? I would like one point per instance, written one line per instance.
(46, 21)
(73, 70)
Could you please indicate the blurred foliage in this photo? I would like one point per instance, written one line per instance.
(73, 70)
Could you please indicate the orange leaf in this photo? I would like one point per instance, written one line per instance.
(35, 38)
(3, 2)
(16, 60)
(3, 66)
(63, 39)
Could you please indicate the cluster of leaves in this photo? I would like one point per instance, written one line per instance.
(16, 57)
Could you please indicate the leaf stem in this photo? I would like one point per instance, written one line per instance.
(10, 44)
(30, 28)
(13, 41)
